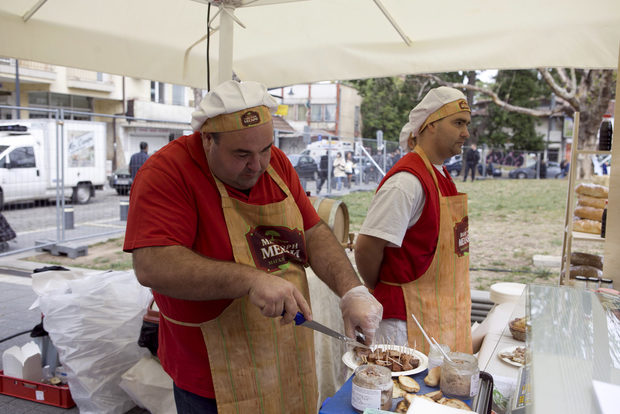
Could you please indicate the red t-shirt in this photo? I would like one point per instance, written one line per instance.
(174, 201)
(409, 262)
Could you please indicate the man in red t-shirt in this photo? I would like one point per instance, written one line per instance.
(220, 228)
(413, 248)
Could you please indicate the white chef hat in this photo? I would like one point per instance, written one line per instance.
(437, 104)
(232, 106)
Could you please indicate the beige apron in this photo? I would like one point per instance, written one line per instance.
(441, 297)
(257, 365)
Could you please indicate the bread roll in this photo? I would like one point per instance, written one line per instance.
(397, 392)
(408, 384)
(585, 270)
(434, 395)
(453, 402)
(589, 213)
(587, 226)
(592, 190)
(587, 201)
(578, 258)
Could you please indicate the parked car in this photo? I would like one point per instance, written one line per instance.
(121, 181)
(454, 165)
(370, 171)
(305, 166)
(553, 171)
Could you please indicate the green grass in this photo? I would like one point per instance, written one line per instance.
(501, 199)
(510, 221)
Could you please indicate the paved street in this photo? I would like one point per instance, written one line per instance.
(101, 217)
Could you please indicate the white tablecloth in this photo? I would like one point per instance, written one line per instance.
(498, 338)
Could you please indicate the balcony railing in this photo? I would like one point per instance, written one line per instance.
(27, 64)
(88, 79)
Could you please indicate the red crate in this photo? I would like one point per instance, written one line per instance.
(57, 395)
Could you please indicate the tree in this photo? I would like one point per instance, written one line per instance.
(499, 127)
(381, 106)
(587, 91)
(387, 101)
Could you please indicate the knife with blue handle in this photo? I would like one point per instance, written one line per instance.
(301, 320)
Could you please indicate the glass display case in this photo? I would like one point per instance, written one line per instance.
(574, 346)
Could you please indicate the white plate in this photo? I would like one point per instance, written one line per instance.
(350, 360)
(509, 350)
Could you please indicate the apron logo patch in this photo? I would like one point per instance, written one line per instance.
(461, 237)
(273, 247)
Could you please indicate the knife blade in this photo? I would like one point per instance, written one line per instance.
(301, 320)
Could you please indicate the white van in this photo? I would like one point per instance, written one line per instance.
(28, 160)
(318, 148)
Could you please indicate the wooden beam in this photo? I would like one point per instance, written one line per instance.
(611, 267)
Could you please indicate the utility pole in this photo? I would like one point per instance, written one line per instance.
(551, 108)
(18, 100)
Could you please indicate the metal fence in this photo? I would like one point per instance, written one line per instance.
(59, 222)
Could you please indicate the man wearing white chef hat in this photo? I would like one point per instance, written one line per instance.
(221, 229)
(413, 248)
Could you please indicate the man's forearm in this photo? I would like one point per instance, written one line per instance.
(329, 260)
(179, 272)
(368, 258)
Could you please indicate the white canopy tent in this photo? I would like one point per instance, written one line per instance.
(286, 42)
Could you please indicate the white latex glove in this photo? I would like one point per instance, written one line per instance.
(360, 310)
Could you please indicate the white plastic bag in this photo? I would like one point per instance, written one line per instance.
(150, 386)
(94, 322)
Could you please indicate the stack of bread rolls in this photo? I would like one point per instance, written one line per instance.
(588, 213)
(586, 264)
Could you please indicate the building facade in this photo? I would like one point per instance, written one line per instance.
(144, 110)
(329, 107)
(141, 110)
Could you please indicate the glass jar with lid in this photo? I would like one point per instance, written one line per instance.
(371, 388)
(435, 357)
(580, 282)
(593, 282)
(607, 283)
(460, 376)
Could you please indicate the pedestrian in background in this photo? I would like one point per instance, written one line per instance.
(472, 157)
(564, 165)
(339, 170)
(348, 168)
(322, 176)
(137, 159)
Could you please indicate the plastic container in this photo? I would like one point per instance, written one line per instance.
(435, 357)
(58, 396)
(580, 282)
(607, 283)
(61, 373)
(593, 282)
(371, 388)
(460, 378)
